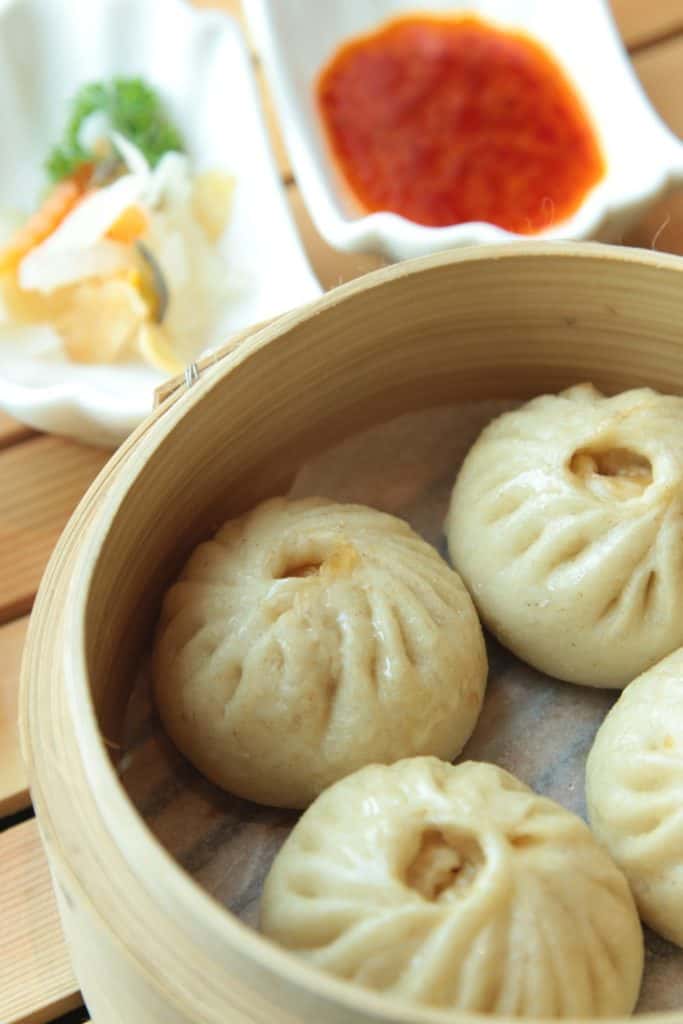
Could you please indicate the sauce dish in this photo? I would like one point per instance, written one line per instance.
(643, 158)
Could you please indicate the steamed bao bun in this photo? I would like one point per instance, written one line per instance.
(308, 639)
(566, 525)
(634, 791)
(457, 887)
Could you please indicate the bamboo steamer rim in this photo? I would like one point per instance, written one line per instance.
(154, 868)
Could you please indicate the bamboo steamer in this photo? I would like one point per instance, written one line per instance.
(149, 945)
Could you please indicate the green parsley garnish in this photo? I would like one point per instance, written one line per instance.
(134, 110)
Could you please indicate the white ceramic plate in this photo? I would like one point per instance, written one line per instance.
(198, 61)
(296, 38)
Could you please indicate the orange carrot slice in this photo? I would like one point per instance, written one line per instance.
(60, 202)
(131, 225)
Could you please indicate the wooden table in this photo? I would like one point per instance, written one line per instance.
(42, 478)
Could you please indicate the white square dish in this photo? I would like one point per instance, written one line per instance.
(643, 158)
(198, 62)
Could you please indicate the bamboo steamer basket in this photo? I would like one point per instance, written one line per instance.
(150, 946)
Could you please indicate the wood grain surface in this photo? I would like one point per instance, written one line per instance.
(642, 22)
(46, 478)
(11, 432)
(660, 70)
(13, 784)
(36, 980)
(41, 480)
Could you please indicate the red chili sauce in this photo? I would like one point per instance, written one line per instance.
(445, 121)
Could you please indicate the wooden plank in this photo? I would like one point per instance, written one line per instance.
(14, 793)
(641, 22)
(36, 980)
(661, 228)
(42, 482)
(660, 69)
(11, 431)
(331, 267)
